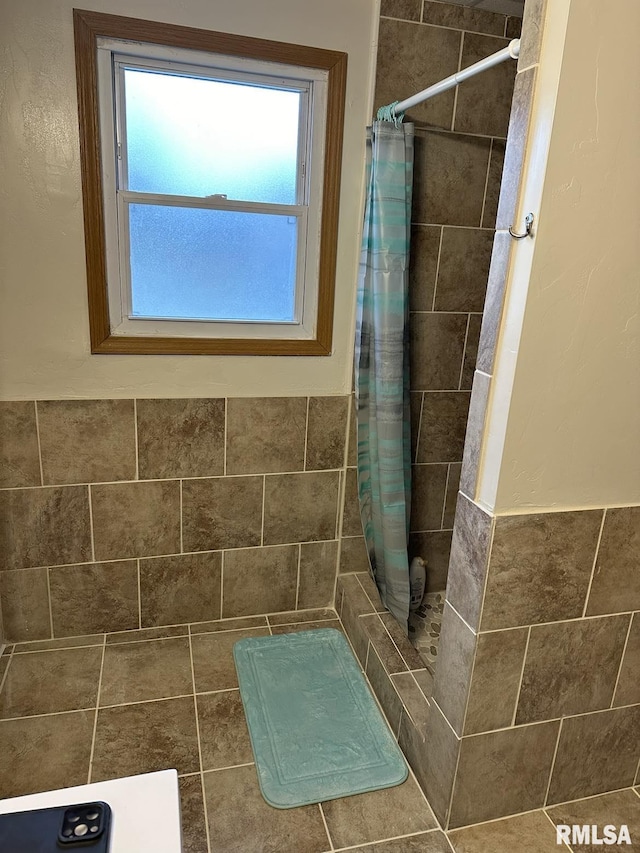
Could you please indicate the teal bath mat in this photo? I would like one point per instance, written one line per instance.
(316, 731)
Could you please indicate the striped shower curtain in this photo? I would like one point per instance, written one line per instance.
(382, 362)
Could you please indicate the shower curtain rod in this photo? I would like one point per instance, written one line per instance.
(512, 51)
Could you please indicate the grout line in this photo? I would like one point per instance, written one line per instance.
(139, 598)
(464, 352)
(446, 489)
(224, 444)
(564, 843)
(435, 281)
(195, 708)
(35, 404)
(95, 721)
(560, 621)
(624, 651)
(218, 769)
(306, 436)
(486, 185)
(181, 525)
(326, 828)
(264, 498)
(447, 603)
(379, 841)
(524, 661)
(593, 567)
(553, 764)
(455, 91)
(135, 436)
(297, 579)
(415, 460)
(49, 601)
(93, 544)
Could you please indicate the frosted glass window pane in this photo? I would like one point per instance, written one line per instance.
(189, 136)
(192, 263)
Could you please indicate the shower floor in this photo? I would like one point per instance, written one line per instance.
(424, 627)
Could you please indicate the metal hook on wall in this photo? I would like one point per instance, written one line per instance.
(528, 222)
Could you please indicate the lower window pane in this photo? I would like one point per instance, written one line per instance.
(194, 263)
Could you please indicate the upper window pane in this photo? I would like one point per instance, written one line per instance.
(199, 137)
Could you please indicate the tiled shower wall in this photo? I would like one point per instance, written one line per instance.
(121, 514)
(459, 152)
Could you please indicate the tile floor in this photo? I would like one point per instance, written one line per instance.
(91, 708)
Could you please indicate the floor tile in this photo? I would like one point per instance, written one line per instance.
(194, 830)
(136, 672)
(213, 658)
(146, 737)
(224, 737)
(378, 814)
(532, 833)
(256, 827)
(48, 682)
(44, 753)
(617, 808)
(425, 842)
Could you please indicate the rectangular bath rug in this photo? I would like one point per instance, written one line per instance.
(316, 731)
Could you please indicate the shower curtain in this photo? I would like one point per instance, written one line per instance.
(382, 360)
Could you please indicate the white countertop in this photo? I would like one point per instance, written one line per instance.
(145, 810)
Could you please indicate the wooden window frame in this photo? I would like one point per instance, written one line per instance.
(88, 28)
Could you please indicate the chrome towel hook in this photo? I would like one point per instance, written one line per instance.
(528, 223)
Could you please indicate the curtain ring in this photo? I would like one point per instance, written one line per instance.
(528, 228)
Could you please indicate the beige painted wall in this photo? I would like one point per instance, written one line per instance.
(44, 336)
(563, 427)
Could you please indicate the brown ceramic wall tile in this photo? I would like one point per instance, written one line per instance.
(50, 682)
(136, 519)
(516, 143)
(484, 102)
(61, 643)
(427, 496)
(529, 832)
(413, 699)
(224, 738)
(628, 689)
(470, 352)
(138, 672)
(408, 10)
(462, 18)
(93, 598)
(451, 497)
(428, 54)
(501, 773)
(609, 762)
(352, 443)
(384, 689)
(415, 413)
(540, 568)
(355, 630)
(147, 634)
(617, 809)
(180, 589)
(19, 459)
(295, 617)
(409, 654)
(284, 830)
(532, 27)
(353, 555)
(259, 580)
(326, 432)
(24, 597)
(443, 427)
(64, 738)
(474, 433)
(355, 594)
(453, 193)
(300, 507)
(454, 666)
(616, 579)
(221, 512)
(265, 434)
(44, 527)
(146, 737)
(571, 668)
(469, 559)
(492, 317)
(180, 438)
(494, 184)
(383, 644)
(437, 346)
(497, 670)
(87, 441)
(425, 248)
(351, 521)
(378, 814)
(432, 754)
(513, 27)
(318, 567)
(434, 548)
(228, 625)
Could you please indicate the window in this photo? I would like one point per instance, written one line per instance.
(211, 167)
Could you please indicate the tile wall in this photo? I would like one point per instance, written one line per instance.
(123, 514)
(459, 153)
